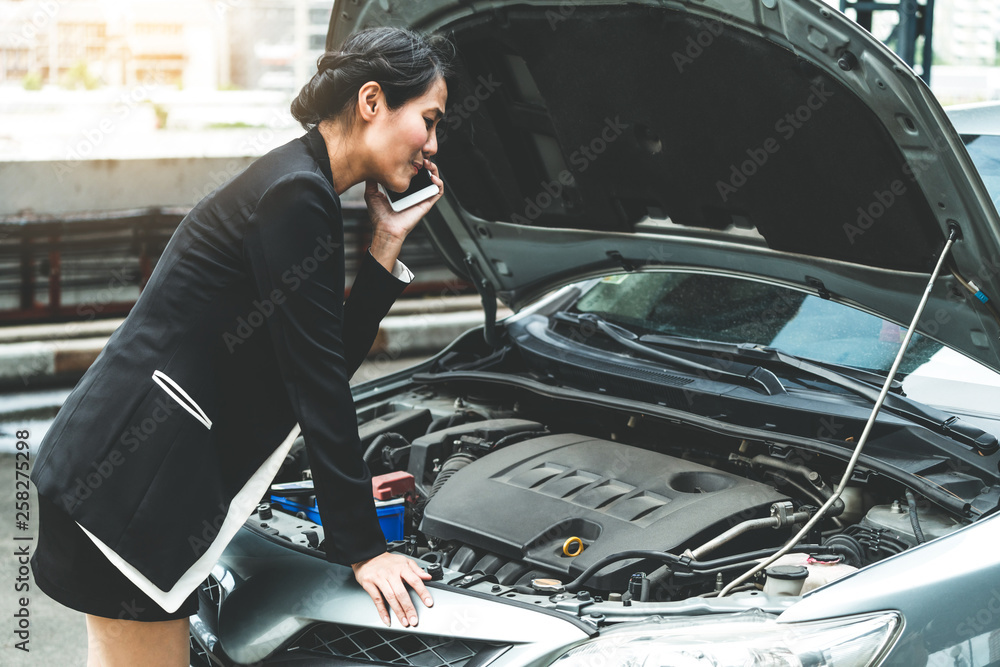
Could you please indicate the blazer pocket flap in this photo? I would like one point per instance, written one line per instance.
(182, 397)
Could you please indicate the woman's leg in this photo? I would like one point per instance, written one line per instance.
(114, 642)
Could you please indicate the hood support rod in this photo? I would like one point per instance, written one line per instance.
(952, 236)
(489, 299)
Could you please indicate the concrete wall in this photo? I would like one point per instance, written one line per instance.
(67, 186)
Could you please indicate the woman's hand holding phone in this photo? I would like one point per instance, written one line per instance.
(389, 227)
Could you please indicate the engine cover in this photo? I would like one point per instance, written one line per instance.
(525, 500)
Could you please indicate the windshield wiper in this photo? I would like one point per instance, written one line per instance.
(853, 380)
(767, 353)
(742, 373)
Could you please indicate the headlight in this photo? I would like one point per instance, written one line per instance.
(738, 640)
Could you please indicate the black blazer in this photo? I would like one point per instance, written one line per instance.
(245, 313)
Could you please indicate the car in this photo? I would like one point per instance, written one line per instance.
(746, 409)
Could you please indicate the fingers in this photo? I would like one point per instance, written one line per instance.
(414, 579)
(384, 578)
(405, 611)
(376, 597)
(432, 169)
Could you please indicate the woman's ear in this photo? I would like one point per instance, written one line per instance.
(369, 99)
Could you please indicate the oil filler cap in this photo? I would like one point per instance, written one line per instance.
(550, 586)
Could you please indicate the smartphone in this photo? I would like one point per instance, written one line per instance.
(421, 188)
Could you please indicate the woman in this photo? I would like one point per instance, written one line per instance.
(241, 337)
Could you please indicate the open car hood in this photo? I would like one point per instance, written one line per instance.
(765, 138)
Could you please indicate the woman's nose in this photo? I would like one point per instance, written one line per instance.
(431, 147)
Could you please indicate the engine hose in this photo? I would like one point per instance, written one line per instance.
(453, 464)
(819, 487)
(517, 437)
(738, 561)
(696, 567)
(383, 439)
(914, 520)
(454, 419)
(850, 545)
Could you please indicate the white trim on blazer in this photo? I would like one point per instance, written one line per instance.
(241, 507)
(162, 379)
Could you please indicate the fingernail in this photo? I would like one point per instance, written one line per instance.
(428, 601)
(413, 620)
(385, 619)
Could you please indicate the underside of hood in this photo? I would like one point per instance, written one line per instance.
(773, 138)
(619, 114)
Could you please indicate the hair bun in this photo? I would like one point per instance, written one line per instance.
(403, 62)
(332, 60)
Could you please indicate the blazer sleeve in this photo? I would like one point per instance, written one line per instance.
(294, 248)
(372, 294)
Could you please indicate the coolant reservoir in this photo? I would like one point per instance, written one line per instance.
(822, 568)
(896, 519)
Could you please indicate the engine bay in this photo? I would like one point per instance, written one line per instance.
(522, 494)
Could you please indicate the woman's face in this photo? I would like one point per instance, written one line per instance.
(400, 140)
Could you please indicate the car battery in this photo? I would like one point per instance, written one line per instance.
(295, 497)
(390, 517)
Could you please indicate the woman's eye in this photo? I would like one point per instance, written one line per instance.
(430, 122)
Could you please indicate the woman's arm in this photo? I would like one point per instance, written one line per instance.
(375, 288)
(297, 226)
(292, 222)
(374, 291)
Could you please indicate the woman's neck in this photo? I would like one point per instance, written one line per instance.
(346, 165)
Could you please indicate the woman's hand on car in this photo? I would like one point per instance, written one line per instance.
(384, 578)
(389, 227)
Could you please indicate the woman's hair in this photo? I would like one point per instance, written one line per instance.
(402, 61)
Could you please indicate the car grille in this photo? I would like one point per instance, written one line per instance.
(211, 590)
(198, 655)
(386, 646)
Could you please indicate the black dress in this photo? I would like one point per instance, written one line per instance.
(170, 438)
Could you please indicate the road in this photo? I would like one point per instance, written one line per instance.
(57, 634)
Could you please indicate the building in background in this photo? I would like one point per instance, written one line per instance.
(93, 43)
(967, 32)
(248, 44)
(274, 44)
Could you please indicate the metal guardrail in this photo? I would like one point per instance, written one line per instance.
(92, 265)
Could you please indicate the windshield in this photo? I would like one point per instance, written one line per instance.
(734, 310)
(985, 153)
